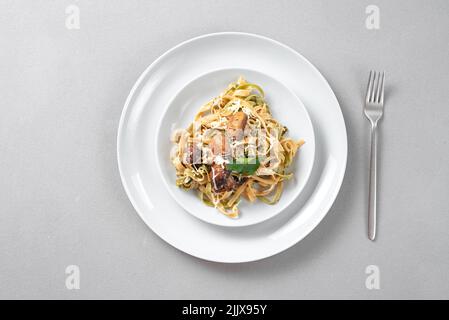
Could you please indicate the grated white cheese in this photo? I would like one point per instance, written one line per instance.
(220, 160)
(247, 111)
(214, 124)
(236, 143)
(217, 101)
(235, 106)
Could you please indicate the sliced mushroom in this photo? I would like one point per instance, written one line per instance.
(222, 180)
(220, 144)
(236, 125)
(238, 120)
(192, 155)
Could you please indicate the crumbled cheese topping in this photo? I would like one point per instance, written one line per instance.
(217, 101)
(220, 160)
(247, 111)
(235, 106)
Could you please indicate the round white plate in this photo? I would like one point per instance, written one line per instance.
(286, 108)
(137, 134)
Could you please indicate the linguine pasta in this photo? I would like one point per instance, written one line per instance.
(234, 149)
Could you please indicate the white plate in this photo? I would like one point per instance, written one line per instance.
(138, 162)
(286, 108)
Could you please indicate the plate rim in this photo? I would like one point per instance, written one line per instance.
(332, 194)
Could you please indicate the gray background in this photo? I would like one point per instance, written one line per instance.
(62, 202)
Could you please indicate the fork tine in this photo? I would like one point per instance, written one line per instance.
(375, 86)
(370, 84)
(378, 87)
(381, 98)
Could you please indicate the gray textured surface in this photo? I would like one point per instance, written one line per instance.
(61, 198)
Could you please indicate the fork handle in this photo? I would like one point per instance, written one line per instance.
(372, 200)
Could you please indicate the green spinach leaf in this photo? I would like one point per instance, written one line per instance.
(244, 165)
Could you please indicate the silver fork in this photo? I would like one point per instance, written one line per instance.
(374, 108)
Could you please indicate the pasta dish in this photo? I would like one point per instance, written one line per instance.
(234, 149)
